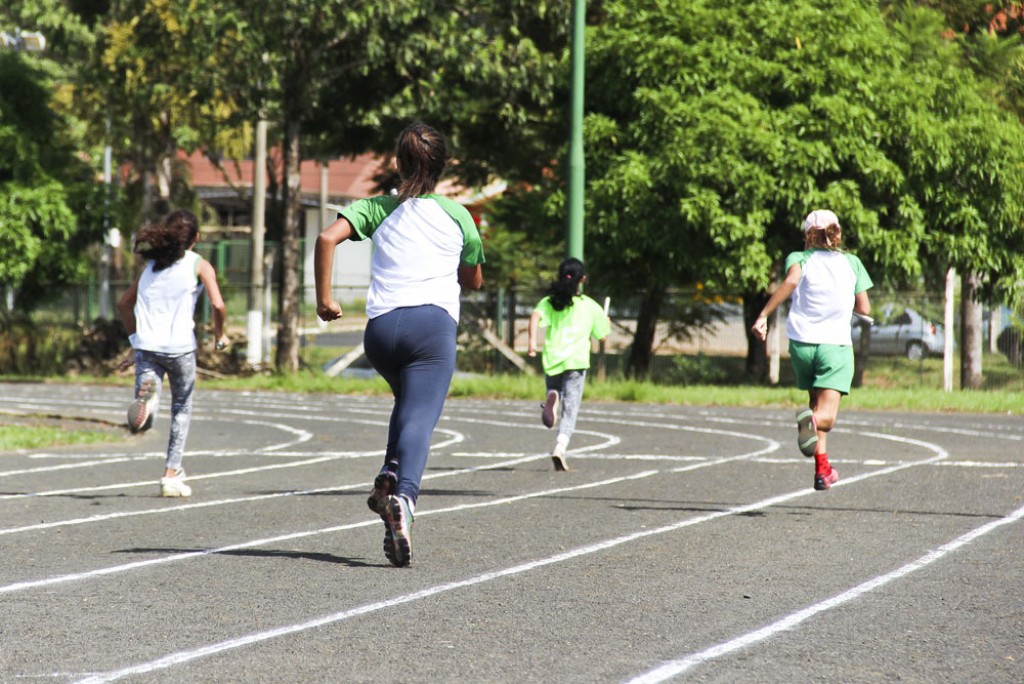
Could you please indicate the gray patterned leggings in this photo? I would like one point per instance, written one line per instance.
(181, 373)
(570, 386)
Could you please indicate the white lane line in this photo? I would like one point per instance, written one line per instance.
(188, 655)
(260, 497)
(676, 667)
(68, 466)
(115, 569)
(454, 438)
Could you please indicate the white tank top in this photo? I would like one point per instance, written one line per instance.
(165, 306)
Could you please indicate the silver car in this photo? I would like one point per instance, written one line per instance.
(900, 331)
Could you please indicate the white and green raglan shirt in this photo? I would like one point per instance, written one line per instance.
(822, 304)
(419, 245)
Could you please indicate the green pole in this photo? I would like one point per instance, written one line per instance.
(577, 166)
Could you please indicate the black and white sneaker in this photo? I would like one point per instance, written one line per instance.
(384, 485)
(398, 538)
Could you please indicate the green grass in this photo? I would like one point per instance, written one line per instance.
(890, 384)
(14, 437)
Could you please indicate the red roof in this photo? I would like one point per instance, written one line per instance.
(345, 177)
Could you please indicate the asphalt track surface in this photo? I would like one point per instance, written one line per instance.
(686, 544)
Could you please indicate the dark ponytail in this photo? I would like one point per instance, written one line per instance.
(567, 286)
(166, 242)
(422, 154)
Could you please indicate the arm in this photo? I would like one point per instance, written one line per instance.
(208, 277)
(861, 303)
(534, 321)
(760, 327)
(471, 277)
(323, 267)
(126, 307)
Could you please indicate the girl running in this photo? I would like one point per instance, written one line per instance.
(426, 248)
(828, 285)
(571, 319)
(157, 312)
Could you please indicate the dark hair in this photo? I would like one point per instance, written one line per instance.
(561, 292)
(165, 242)
(422, 154)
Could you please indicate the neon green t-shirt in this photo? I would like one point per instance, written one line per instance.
(567, 341)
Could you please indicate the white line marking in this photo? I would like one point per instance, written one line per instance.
(189, 655)
(680, 665)
(115, 569)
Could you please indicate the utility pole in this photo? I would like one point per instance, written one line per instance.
(254, 319)
(577, 165)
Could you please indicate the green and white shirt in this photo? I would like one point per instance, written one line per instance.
(822, 303)
(419, 245)
(567, 341)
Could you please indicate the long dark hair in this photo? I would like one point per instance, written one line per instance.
(165, 242)
(422, 154)
(567, 286)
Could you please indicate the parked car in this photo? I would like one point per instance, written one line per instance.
(900, 331)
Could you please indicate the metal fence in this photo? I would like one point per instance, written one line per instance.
(700, 339)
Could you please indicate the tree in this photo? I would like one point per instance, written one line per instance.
(49, 203)
(712, 129)
(158, 80)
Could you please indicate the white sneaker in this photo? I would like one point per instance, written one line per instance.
(175, 486)
(558, 456)
(140, 411)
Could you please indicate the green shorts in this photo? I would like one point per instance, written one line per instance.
(822, 366)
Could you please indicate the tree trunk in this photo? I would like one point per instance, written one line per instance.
(639, 364)
(971, 332)
(288, 327)
(757, 351)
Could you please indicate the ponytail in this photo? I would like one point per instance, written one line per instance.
(567, 286)
(422, 154)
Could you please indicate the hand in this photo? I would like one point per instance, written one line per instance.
(329, 310)
(223, 343)
(760, 328)
(532, 353)
(127, 362)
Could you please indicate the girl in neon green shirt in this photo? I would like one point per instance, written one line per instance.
(571, 319)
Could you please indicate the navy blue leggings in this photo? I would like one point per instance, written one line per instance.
(413, 348)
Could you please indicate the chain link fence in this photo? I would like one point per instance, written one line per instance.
(701, 337)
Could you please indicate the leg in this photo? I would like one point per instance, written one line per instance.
(414, 349)
(572, 398)
(833, 377)
(181, 371)
(825, 404)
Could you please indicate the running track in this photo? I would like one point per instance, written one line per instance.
(685, 545)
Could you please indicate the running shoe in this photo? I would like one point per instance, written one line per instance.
(549, 414)
(823, 482)
(384, 485)
(399, 518)
(175, 486)
(558, 457)
(140, 411)
(806, 432)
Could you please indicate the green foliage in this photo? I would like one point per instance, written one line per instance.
(45, 225)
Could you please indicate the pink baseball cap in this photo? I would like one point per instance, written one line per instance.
(820, 219)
